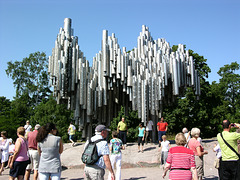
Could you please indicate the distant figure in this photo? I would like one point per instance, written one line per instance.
(165, 146)
(187, 135)
(198, 150)
(50, 147)
(97, 170)
(71, 132)
(122, 130)
(11, 151)
(180, 161)
(20, 159)
(33, 153)
(141, 135)
(4, 147)
(230, 157)
(115, 155)
(149, 128)
(27, 128)
(218, 159)
(162, 128)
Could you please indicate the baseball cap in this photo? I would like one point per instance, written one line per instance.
(101, 127)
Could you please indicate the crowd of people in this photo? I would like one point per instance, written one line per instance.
(39, 151)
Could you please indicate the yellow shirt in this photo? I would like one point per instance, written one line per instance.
(231, 138)
(122, 126)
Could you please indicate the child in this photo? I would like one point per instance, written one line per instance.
(115, 154)
(165, 146)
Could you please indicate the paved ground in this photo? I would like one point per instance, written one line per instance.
(135, 166)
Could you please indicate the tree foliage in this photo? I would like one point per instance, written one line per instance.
(30, 76)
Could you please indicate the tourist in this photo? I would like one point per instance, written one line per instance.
(33, 153)
(218, 159)
(97, 170)
(71, 132)
(149, 128)
(27, 128)
(4, 147)
(230, 158)
(50, 147)
(115, 155)
(20, 159)
(10, 151)
(180, 161)
(162, 128)
(187, 135)
(198, 150)
(122, 130)
(165, 146)
(141, 135)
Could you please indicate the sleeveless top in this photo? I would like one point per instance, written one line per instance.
(50, 158)
(22, 155)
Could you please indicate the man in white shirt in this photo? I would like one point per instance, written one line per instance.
(27, 128)
(149, 128)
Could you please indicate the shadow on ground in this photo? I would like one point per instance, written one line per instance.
(136, 178)
(149, 149)
(210, 178)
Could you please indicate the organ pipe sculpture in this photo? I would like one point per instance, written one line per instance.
(142, 79)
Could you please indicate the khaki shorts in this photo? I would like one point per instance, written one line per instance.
(199, 165)
(34, 159)
(93, 172)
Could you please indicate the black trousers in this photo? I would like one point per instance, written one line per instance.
(123, 136)
(230, 170)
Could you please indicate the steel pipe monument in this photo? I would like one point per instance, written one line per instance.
(142, 79)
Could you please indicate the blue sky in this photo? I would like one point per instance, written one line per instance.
(209, 27)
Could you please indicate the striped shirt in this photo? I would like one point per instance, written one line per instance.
(181, 158)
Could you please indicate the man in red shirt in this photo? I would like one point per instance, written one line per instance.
(162, 129)
(33, 153)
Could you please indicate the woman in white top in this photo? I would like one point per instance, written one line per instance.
(4, 146)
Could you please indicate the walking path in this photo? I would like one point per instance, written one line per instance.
(135, 166)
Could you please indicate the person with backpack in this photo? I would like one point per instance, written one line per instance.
(95, 167)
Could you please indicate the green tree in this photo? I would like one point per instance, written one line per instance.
(58, 114)
(30, 76)
(230, 86)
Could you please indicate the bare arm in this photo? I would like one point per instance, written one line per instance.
(194, 173)
(39, 151)
(61, 147)
(17, 148)
(166, 168)
(199, 152)
(108, 165)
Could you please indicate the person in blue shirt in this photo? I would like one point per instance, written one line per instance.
(141, 136)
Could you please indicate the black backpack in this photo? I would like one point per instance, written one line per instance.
(90, 154)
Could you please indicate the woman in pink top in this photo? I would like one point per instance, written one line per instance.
(198, 151)
(180, 161)
(20, 158)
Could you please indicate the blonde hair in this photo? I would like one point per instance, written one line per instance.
(21, 130)
(195, 132)
(185, 130)
(180, 139)
(164, 137)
